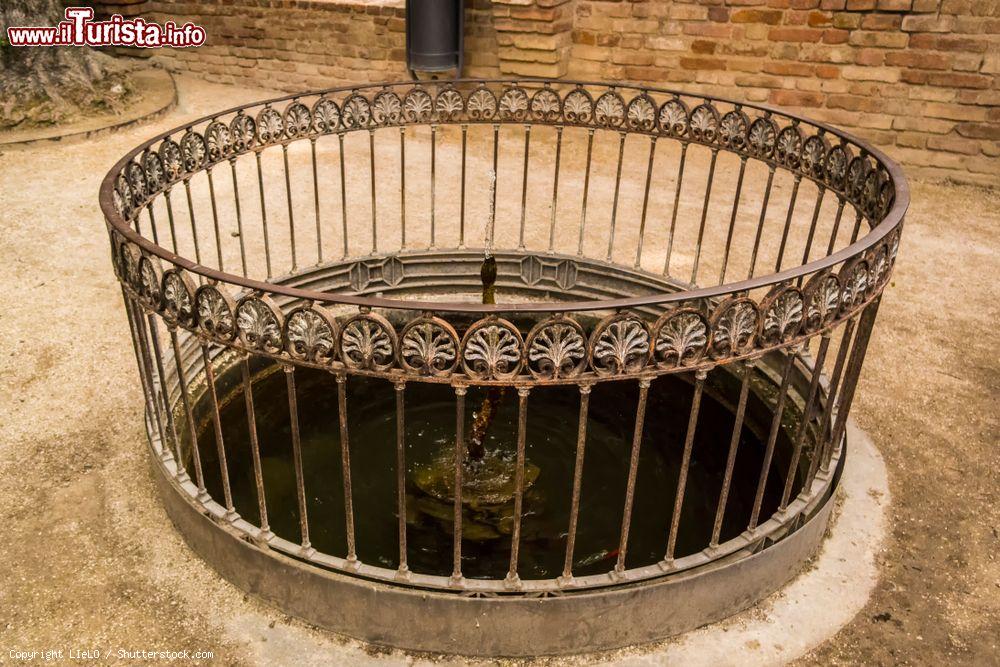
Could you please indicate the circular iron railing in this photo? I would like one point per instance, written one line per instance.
(641, 232)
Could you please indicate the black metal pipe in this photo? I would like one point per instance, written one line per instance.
(434, 36)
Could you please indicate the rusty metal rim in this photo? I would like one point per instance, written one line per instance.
(890, 222)
(457, 379)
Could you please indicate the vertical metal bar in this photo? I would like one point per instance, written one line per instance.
(852, 375)
(836, 224)
(456, 573)
(574, 510)
(857, 226)
(555, 190)
(788, 222)
(461, 214)
(258, 474)
(524, 182)
(732, 220)
(491, 220)
(515, 538)
(152, 223)
(199, 475)
(772, 438)
(154, 336)
(807, 414)
(833, 393)
(300, 482)
(139, 344)
(170, 220)
(345, 454)
(215, 218)
(319, 228)
(434, 184)
(402, 187)
(692, 426)
(614, 204)
(817, 450)
(145, 369)
(673, 214)
(227, 493)
(239, 216)
(496, 183)
(645, 200)
(401, 473)
(153, 392)
(343, 190)
(817, 454)
(137, 219)
(586, 190)
(194, 227)
(288, 199)
(263, 215)
(734, 443)
(633, 470)
(704, 216)
(371, 171)
(760, 222)
(812, 228)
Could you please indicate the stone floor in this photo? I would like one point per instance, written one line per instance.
(91, 561)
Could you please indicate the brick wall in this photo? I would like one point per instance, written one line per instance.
(534, 37)
(298, 44)
(289, 44)
(918, 77)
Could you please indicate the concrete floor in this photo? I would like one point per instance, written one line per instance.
(91, 561)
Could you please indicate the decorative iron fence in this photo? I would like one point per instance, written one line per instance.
(643, 232)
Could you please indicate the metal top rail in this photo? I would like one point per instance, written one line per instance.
(869, 180)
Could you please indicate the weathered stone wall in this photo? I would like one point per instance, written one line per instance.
(919, 77)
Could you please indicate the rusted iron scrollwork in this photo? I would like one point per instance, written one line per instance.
(493, 350)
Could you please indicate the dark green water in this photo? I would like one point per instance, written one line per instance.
(552, 426)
